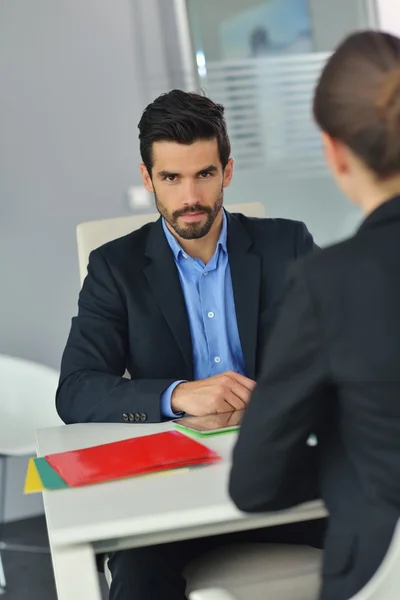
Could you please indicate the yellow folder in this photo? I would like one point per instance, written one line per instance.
(33, 483)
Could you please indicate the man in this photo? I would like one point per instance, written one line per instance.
(184, 304)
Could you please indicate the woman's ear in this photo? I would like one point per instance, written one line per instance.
(336, 155)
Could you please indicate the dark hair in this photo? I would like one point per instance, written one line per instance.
(184, 118)
(357, 99)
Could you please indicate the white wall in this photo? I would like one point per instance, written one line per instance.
(389, 16)
(69, 106)
(68, 110)
(75, 76)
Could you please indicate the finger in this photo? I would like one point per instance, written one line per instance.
(241, 392)
(244, 381)
(235, 417)
(224, 406)
(235, 401)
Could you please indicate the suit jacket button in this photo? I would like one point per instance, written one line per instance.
(143, 417)
(137, 417)
(131, 417)
(125, 417)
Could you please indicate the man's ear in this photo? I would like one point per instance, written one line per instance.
(228, 172)
(147, 182)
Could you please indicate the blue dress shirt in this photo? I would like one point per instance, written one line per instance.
(210, 305)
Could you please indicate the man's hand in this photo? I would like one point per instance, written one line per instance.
(218, 394)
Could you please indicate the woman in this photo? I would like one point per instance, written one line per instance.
(332, 364)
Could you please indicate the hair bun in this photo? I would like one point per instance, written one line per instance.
(357, 100)
(388, 102)
(388, 107)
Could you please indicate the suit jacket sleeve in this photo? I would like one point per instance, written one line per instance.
(273, 467)
(304, 241)
(92, 387)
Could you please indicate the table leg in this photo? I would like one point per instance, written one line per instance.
(2, 578)
(75, 573)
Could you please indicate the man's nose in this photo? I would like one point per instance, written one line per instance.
(190, 194)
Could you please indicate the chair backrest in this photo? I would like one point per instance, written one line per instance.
(211, 594)
(27, 401)
(92, 234)
(385, 584)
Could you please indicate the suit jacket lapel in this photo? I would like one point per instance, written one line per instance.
(162, 276)
(246, 274)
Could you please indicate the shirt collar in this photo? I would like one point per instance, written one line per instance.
(177, 248)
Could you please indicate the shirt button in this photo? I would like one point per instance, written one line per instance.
(217, 359)
(205, 273)
(210, 315)
(185, 255)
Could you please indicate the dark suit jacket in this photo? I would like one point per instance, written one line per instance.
(332, 367)
(132, 315)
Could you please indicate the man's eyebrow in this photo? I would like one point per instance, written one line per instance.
(209, 169)
(167, 174)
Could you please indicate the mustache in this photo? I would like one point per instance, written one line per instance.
(197, 208)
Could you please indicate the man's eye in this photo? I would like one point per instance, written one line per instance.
(170, 178)
(205, 175)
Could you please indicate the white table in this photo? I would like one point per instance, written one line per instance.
(139, 511)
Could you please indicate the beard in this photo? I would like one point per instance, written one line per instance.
(191, 231)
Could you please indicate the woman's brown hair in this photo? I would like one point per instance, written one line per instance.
(357, 99)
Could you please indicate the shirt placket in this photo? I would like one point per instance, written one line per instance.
(210, 321)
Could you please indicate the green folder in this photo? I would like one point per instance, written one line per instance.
(50, 479)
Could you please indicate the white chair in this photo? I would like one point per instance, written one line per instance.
(212, 594)
(27, 396)
(255, 572)
(385, 584)
(92, 234)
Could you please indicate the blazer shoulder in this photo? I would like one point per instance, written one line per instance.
(339, 255)
(333, 265)
(259, 226)
(282, 235)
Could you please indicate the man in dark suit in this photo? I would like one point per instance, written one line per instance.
(184, 304)
(332, 368)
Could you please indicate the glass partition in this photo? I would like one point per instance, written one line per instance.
(261, 60)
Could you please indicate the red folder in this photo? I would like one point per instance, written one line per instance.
(136, 456)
